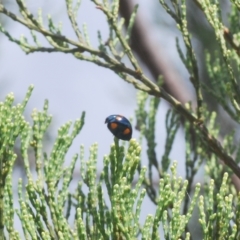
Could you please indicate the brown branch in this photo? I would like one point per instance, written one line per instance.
(228, 37)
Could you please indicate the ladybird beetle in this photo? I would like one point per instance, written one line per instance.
(119, 126)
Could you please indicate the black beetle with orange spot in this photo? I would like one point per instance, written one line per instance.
(119, 126)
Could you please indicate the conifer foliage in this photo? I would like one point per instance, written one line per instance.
(110, 206)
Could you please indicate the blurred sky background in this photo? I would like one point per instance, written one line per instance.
(73, 86)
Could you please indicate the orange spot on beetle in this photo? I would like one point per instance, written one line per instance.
(126, 131)
(113, 125)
